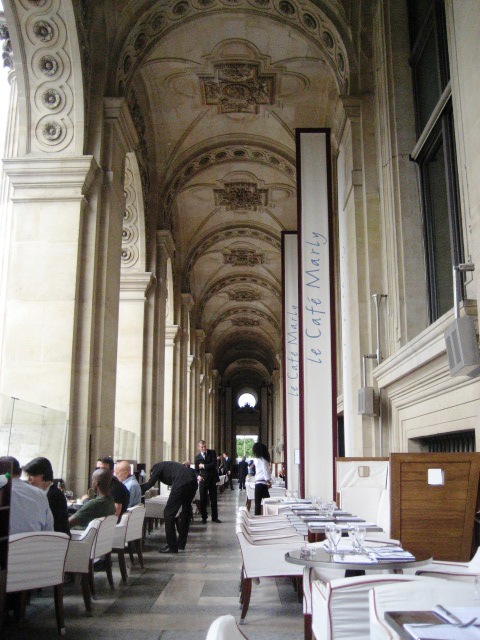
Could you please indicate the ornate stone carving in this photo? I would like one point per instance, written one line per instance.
(7, 53)
(237, 87)
(245, 322)
(43, 30)
(48, 65)
(52, 130)
(240, 195)
(130, 235)
(243, 295)
(314, 24)
(51, 99)
(243, 257)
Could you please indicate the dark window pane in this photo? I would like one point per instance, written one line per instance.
(438, 228)
(427, 81)
(418, 10)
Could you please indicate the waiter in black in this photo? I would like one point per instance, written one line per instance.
(183, 487)
(207, 474)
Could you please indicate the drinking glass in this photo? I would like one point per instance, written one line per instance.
(333, 534)
(330, 508)
(295, 494)
(360, 533)
(288, 493)
(351, 527)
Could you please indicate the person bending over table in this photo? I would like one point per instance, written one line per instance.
(183, 487)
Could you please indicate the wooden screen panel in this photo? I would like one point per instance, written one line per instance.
(437, 520)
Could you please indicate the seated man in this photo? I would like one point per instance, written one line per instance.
(40, 474)
(29, 508)
(119, 492)
(122, 472)
(102, 505)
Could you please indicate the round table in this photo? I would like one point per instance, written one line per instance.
(324, 560)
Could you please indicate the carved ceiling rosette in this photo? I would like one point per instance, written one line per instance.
(241, 195)
(243, 257)
(238, 87)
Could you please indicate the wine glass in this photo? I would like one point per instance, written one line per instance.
(360, 533)
(295, 495)
(333, 533)
(288, 493)
(351, 527)
(330, 508)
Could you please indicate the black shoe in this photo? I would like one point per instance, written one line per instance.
(168, 549)
(204, 520)
(216, 520)
(180, 548)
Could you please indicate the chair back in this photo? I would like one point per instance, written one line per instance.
(225, 628)
(120, 534)
(135, 523)
(80, 548)
(104, 541)
(36, 560)
(340, 607)
(419, 594)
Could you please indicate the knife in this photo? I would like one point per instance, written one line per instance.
(452, 616)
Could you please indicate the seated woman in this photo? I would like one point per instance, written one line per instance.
(40, 474)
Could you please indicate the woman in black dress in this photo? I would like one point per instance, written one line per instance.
(40, 474)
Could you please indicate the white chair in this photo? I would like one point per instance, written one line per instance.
(102, 549)
(461, 571)
(37, 560)
(119, 542)
(225, 628)
(264, 561)
(134, 538)
(80, 557)
(340, 607)
(419, 594)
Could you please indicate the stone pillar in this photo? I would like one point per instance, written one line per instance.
(199, 410)
(277, 434)
(263, 435)
(171, 332)
(228, 412)
(182, 414)
(192, 436)
(129, 402)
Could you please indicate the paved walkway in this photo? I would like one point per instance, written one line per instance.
(175, 597)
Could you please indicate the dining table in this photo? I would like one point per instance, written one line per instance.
(349, 560)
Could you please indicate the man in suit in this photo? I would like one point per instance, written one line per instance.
(227, 467)
(207, 474)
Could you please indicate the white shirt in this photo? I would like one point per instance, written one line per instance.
(262, 470)
(29, 509)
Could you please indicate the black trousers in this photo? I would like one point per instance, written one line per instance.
(208, 489)
(179, 497)
(261, 491)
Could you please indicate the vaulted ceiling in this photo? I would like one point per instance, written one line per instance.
(221, 86)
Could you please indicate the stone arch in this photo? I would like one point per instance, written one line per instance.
(47, 57)
(134, 253)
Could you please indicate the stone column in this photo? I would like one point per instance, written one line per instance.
(263, 435)
(171, 332)
(129, 402)
(192, 436)
(199, 410)
(182, 414)
(228, 412)
(277, 432)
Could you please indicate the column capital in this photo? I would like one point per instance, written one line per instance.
(50, 179)
(116, 111)
(134, 286)
(171, 332)
(187, 301)
(165, 240)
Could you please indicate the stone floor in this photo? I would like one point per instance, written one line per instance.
(175, 597)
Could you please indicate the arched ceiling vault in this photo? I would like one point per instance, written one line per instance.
(216, 89)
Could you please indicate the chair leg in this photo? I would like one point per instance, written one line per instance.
(122, 564)
(130, 552)
(22, 605)
(58, 597)
(91, 578)
(87, 598)
(246, 593)
(139, 548)
(307, 626)
(108, 569)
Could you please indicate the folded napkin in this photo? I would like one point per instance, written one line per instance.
(348, 518)
(353, 559)
(389, 554)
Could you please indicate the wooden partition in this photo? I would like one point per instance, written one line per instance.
(435, 518)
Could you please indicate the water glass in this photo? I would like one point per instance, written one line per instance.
(351, 527)
(333, 534)
(295, 494)
(359, 536)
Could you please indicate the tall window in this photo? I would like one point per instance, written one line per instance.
(435, 150)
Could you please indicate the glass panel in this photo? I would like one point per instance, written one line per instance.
(29, 430)
(440, 232)
(427, 82)
(126, 445)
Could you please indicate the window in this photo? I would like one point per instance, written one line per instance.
(435, 150)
